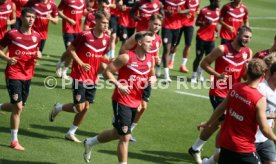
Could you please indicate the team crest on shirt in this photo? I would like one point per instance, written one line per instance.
(104, 42)
(244, 55)
(241, 10)
(124, 129)
(8, 7)
(78, 98)
(34, 38)
(149, 64)
(155, 5)
(15, 97)
(48, 6)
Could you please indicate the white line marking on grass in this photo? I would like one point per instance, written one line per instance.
(262, 18)
(192, 94)
(263, 28)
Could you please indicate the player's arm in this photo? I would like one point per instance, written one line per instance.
(209, 59)
(133, 10)
(113, 67)
(12, 19)
(3, 56)
(69, 20)
(71, 50)
(246, 22)
(152, 77)
(262, 120)
(129, 44)
(219, 111)
(244, 75)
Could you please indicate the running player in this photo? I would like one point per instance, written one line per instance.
(23, 50)
(87, 50)
(135, 71)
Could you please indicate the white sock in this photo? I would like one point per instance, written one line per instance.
(72, 129)
(194, 75)
(166, 71)
(133, 125)
(14, 134)
(172, 56)
(64, 70)
(92, 141)
(198, 144)
(200, 71)
(184, 61)
(122, 162)
(210, 160)
(60, 63)
(217, 150)
(58, 108)
(75, 109)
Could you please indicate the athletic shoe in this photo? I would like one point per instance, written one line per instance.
(196, 155)
(158, 71)
(15, 145)
(167, 80)
(183, 69)
(54, 112)
(132, 139)
(59, 69)
(87, 151)
(72, 137)
(193, 79)
(201, 79)
(65, 76)
(171, 63)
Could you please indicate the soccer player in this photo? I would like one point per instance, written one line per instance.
(87, 50)
(23, 49)
(71, 13)
(7, 16)
(142, 10)
(130, 44)
(19, 4)
(230, 66)
(245, 109)
(264, 53)
(207, 21)
(46, 10)
(233, 15)
(187, 27)
(171, 30)
(135, 72)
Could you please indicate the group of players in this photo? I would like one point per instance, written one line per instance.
(94, 48)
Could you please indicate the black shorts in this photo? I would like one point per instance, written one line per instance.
(230, 157)
(170, 36)
(204, 46)
(125, 32)
(215, 101)
(18, 90)
(113, 24)
(224, 41)
(68, 38)
(83, 92)
(266, 151)
(123, 118)
(188, 35)
(42, 44)
(146, 94)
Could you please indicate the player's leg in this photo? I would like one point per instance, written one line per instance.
(188, 33)
(167, 43)
(199, 55)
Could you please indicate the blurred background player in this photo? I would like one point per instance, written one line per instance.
(207, 21)
(264, 53)
(171, 30)
(154, 26)
(230, 67)
(71, 13)
(87, 50)
(233, 15)
(187, 22)
(7, 16)
(46, 10)
(19, 6)
(23, 50)
(135, 71)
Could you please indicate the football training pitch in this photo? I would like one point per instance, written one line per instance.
(165, 132)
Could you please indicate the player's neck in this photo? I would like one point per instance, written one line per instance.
(235, 5)
(236, 46)
(140, 54)
(253, 83)
(271, 83)
(25, 30)
(44, 1)
(97, 33)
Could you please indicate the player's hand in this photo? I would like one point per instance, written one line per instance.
(157, 61)
(136, 18)
(72, 22)
(202, 125)
(123, 7)
(223, 76)
(230, 29)
(168, 12)
(85, 67)
(123, 89)
(49, 17)
(152, 80)
(12, 61)
(39, 55)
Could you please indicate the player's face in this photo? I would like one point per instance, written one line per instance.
(244, 38)
(103, 24)
(28, 19)
(216, 3)
(146, 43)
(155, 26)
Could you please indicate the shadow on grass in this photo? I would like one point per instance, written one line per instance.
(63, 130)
(162, 157)
(6, 161)
(25, 132)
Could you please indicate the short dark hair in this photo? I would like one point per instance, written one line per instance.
(26, 10)
(242, 29)
(256, 68)
(272, 68)
(139, 36)
(101, 14)
(153, 17)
